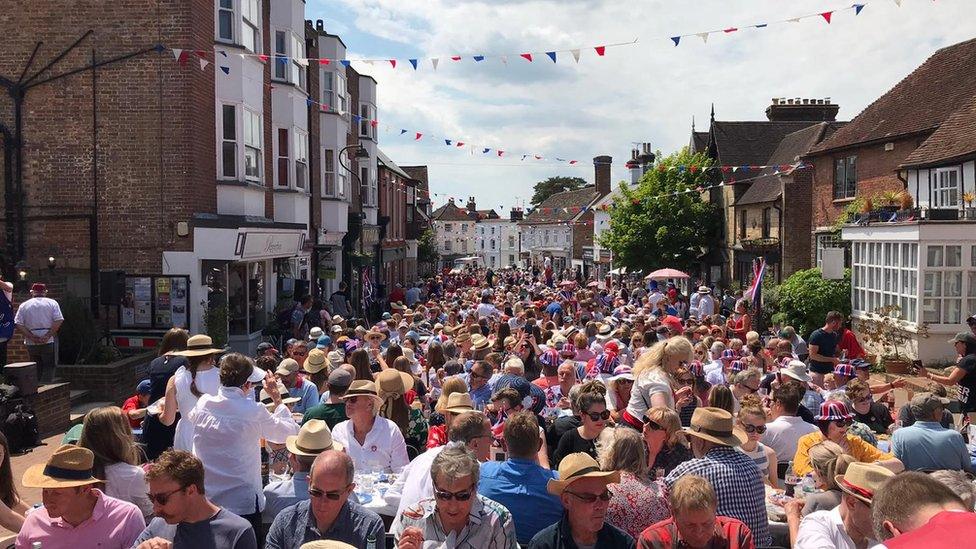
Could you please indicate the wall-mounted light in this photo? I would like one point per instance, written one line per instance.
(21, 267)
(52, 262)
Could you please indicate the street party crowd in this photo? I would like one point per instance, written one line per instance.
(490, 410)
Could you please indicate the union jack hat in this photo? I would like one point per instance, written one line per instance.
(844, 369)
(728, 354)
(550, 357)
(833, 410)
(860, 364)
(568, 350)
(696, 368)
(737, 366)
(607, 362)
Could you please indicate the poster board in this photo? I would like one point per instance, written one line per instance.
(155, 301)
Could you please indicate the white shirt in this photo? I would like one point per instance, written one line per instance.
(227, 433)
(383, 449)
(714, 373)
(646, 385)
(706, 306)
(783, 433)
(128, 483)
(414, 483)
(654, 298)
(37, 314)
(823, 530)
(487, 310)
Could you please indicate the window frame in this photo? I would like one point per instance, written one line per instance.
(944, 301)
(301, 160)
(233, 142)
(367, 113)
(845, 177)
(329, 169)
(254, 26)
(284, 147)
(231, 12)
(886, 273)
(940, 188)
(248, 116)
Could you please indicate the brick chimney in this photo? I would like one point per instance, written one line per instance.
(797, 109)
(601, 168)
(516, 214)
(471, 205)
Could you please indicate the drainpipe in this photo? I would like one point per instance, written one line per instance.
(8, 194)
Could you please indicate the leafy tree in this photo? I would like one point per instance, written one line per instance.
(427, 248)
(652, 228)
(806, 297)
(553, 185)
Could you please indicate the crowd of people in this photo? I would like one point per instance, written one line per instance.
(504, 410)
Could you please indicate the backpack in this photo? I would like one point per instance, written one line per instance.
(20, 427)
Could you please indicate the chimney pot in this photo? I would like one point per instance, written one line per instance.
(319, 25)
(827, 100)
(601, 167)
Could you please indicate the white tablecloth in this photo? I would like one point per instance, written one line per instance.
(372, 487)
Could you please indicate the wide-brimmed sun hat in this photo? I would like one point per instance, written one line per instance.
(362, 387)
(315, 361)
(69, 466)
(795, 369)
(199, 345)
(715, 425)
(392, 383)
(479, 342)
(374, 334)
(578, 466)
(458, 403)
(862, 480)
(312, 439)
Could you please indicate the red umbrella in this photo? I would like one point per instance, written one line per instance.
(666, 273)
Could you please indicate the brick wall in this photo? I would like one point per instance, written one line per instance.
(796, 238)
(156, 160)
(582, 234)
(876, 172)
(113, 382)
(52, 406)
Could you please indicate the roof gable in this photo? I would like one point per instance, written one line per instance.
(918, 103)
(450, 212)
(750, 143)
(561, 207)
(955, 139)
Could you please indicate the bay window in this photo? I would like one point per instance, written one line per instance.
(942, 288)
(281, 55)
(884, 274)
(367, 112)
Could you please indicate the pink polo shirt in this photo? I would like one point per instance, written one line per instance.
(114, 524)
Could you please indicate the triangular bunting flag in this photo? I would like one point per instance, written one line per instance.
(393, 63)
(571, 162)
(501, 153)
(374, 123)
(345, 62)
(676, 39)
(417, 136)
(203, 64)
(433, 63)
(324, 61)
(485, 151)
(725, 169)
(447, 142)
(735, 169)
(161, 48)
(460, 143)
(263, 58)
(283, 59)
(761, 25)
(794, 20)
(455, 58)
(898, 3)
(225, 69)
(730, 29)
(523, 156)
(537, 157)
(403, 132)
(414, 63)
(601, 50)
(222, 52)
(858, 8)
(552, 55)
(177, 53)
(826, 15)
(526, 56)
(479, 57)
(200, 53)
(308, 101)
(576, 54)
(356, 118)
(504, 59)
(703, 36)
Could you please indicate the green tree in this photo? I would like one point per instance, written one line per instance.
(427, 248)
(806, 297)
(659, 223)
(553, 185)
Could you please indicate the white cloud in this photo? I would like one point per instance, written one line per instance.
(647, 92)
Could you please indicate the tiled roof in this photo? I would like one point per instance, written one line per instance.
(562, 207)
(450, 212)
(390, 164)
(750, 143)
(768, 186)
(487, 214)
(955, 139)
(920, 102)
(699, 141)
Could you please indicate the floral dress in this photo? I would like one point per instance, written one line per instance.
(417, 428)
(636, 504)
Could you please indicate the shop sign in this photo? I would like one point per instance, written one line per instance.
(370, 236)
(265, 245)
(588, 255)
(604, 256)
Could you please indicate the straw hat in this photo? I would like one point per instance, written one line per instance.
(479, 342)
(863, 480)
(362, 387)
(373, 333)
(285, 398)
(313, 438)
(315, 361)
(393, 383)
(69, 466)
(336, 358)
(199, 345)
(604, 329)
(715, 425)
(458, 403)
(576, 466)
(326, 544)
(462, 337)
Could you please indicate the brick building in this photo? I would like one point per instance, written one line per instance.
(393, 185)
(418, 220)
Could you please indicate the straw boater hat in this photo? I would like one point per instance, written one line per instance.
(604, 329)
(715, 425)
(458, 403)
(199, 345)
(285, 398)
(362, 387)
(315, 361)
(69, 466)
(373, 333)
(863, 480)
(313, 438)
(577, 466)
(479, 342)
(393, 383)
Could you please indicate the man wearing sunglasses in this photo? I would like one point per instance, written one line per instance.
(582, 489)
(327, 514)
(457, 516)
(185, 517)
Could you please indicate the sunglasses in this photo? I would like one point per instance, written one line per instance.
(591, 498)
(863, 400)
(754, 428)
(334, 496)
(652, 425)
(844, 422)
(597, 416)
(444, 495)
(626, 381)
(161, 499)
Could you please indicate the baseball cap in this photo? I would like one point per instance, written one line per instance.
(257, 375)
(144, 387)
(340, 378)
(287, 367)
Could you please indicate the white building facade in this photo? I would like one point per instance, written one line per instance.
(498, 243)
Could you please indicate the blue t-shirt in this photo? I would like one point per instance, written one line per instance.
(520, 485)
(554, 308)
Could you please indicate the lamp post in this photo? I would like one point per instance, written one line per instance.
(351, 236)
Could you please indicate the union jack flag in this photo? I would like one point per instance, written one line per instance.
(367, 288)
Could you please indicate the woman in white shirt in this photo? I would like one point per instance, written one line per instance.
(186, 386)
(655, 381)
(374, 443)
(107, 434)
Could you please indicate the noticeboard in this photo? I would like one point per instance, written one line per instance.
(155, 301)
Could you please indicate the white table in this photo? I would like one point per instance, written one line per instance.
(375, 485)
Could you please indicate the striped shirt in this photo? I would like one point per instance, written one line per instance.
(759, 457)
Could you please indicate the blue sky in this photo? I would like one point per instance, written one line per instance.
(647, 92)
